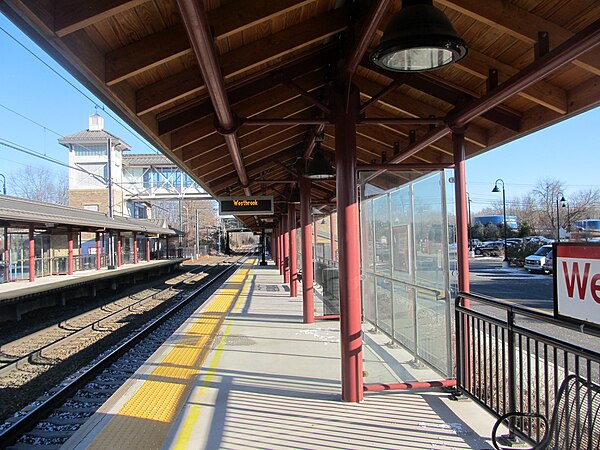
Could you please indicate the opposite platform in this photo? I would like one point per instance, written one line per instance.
(245, 372)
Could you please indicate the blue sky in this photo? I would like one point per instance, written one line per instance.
(568, 151)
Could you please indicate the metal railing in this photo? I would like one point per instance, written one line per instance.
(512, 358)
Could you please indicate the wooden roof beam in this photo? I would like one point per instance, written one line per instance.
(245, 58)
(542, 92)
(172, 43)
(244, 89)
(73, 15)
(521, 24)
(579, 44)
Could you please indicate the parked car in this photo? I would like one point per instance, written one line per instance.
(535, 262)
(549, 263)
(490, 248)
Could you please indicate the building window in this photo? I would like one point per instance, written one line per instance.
(90, 150)
(95, 207)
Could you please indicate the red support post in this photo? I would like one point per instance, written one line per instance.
(70, 258)
(31, 254)
(293, 250)
(98, 251)
(332, 225)
(119, 250)
(147, 249)
(286, 251)
(346, 103)
(6, 255)
(308, 294)
(462, 217)
(135, 249)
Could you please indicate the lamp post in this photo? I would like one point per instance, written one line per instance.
(562, 201)
(500, 180)
(469, 225)
(3, 184)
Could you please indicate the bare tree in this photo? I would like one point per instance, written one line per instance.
(40, 184)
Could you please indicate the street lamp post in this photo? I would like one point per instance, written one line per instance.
(500, 180)
(469, 224)
(562, 201)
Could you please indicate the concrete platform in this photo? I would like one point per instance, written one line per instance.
(244, 372)
(22, 288)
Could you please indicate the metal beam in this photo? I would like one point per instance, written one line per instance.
(198, 29)
(367, 31)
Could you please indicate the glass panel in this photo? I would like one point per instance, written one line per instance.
(429, 221)
(404, 315)
(369, 298)
(431, 323)
(366, 217)
(384, 304)
(381, 214)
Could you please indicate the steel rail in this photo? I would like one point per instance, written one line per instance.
(80, 331)
(26, 422)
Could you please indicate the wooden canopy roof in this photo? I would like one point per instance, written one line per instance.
(235, 91)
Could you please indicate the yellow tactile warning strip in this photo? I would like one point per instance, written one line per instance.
(146, 418)
(184, 437)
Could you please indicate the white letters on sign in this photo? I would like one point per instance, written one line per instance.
(578, 282)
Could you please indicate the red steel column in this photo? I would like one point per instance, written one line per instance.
(6, 255)
(70, 244)
(331, 229)
(147, 249)
(31, 255)
(119, 250)
(462, 217)
(345, 111)
(293, 250)
(135, 249)
(286, 250)
(98, 251)
(308, 294)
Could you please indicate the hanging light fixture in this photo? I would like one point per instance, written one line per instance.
(294, 196)
(418, 38)
(319, 168)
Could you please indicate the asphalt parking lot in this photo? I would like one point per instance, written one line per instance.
(514, 283)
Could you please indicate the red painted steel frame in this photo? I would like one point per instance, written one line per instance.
(98, 263)
(120, 250)
(293, 250)
(345, 106)
(31, 254)
(308, 293)
(407, 386)
(70, 253)
(286, 251)
(462, 217)
(6, 254)
(147, 249)
(332, 226)
(135, 249)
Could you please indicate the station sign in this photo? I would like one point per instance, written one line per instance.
(577, 282)
(239, 206)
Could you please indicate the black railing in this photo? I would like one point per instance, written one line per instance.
(512, 358)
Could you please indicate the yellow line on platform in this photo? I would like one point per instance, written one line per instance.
(146, 418)
(194, 410)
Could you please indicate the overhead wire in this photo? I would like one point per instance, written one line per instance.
(94, 102)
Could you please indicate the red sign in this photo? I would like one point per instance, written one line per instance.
(577, 281)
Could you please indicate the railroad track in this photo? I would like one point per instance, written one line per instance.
(17, 426)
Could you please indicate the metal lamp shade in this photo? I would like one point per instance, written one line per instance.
(418, 38)
(319, 168)
(294, 195)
